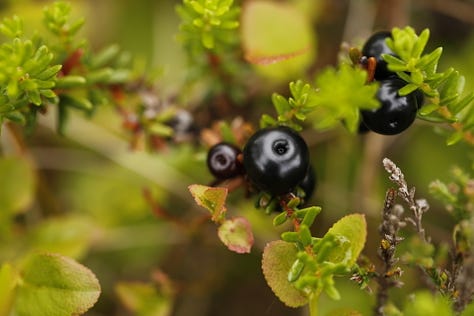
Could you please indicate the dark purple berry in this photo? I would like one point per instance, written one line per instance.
(396, 112)
(223, 162)
(276, 159)
(375, 46)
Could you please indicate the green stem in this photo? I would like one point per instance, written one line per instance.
(313, 303)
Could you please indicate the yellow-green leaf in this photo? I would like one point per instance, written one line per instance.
(8, 282)
(236, 234)
(278, 258)
(277, 38)
(17, 185)
(351, 228)
(144, 299)
(211, 198)
(53, 285)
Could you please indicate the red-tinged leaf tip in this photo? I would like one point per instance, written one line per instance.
(257, 59)
(236, 234)
(211, 198)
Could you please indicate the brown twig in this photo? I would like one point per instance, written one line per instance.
(418, 207)
(391, 224)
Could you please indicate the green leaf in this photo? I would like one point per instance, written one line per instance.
(265, 26)
(280, 219)
(8, 282)
(281, 104)
(49, 72)
(105, 56)
(278, 258)
(409, 88)
(144, 299)
(99, 76)
(16, 116)
(341, 93)
(160, 129)
(69, 236)
(70, 82)
(211, 198)
(424, 303)
(305, 235)
(351, 228)
(53, 285)
(420, 43)
(295, 270)
(394, 63)
(310, 215)
(17, 187)
(12, 27)
(236, 234)
(79, 103)
(428, 109)
(430, 62)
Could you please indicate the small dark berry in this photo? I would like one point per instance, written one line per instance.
(375, 46)
(396, 112)
(276, 159)
(223, 162)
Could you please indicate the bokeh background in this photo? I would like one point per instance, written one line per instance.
(90, 184)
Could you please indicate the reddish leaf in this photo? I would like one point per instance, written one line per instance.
(236, 234)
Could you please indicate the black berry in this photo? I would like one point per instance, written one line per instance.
(308, 184)
(396, 112)
(375, 46)
(223, 162)
(420, 97)
(276, 159)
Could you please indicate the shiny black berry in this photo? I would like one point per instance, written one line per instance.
(420, 98)
(396, 112)
(223, 162)
(276, 159)
(308, 184)
(375, 46)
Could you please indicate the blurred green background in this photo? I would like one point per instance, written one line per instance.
(91, 176)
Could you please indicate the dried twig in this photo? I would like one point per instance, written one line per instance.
(418, 207)
(391, 224)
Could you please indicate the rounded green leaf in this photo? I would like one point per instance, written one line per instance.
(277, 39)
(17, 185)
(278, 258)
(69, 236)
(236, 234)
(351, 228)
(53, 285)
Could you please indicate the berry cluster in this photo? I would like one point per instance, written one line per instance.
(396, 112)
(274, 160)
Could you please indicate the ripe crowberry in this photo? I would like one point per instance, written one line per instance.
(276, 159)
(308, 184)
(375, 46)
(396, 112)
(223, 162)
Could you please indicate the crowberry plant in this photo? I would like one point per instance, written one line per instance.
(228, 108)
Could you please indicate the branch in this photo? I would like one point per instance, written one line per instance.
(391, 224)
(418, 207)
